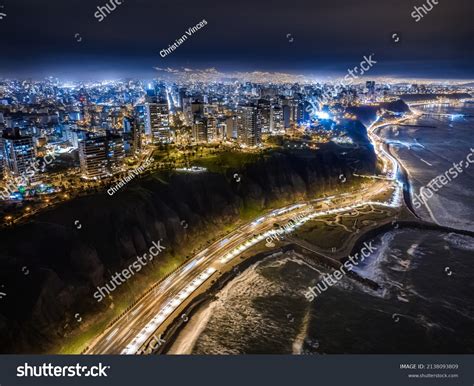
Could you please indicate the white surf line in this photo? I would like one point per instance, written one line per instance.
(431, 213)
(419, 144)
(426, 162)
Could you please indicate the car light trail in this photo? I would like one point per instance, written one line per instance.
(188, 287)
(285, 210)
(167, 310)
(393, 203)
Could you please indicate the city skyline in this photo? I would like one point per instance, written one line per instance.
(236, 178)
(157, 159)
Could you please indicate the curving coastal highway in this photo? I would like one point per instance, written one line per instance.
(139, 330)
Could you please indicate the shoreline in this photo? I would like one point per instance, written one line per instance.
(403, 174)
(200, 302)
(203, 300)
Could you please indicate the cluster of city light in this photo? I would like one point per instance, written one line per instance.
(167, 310)
(322, 115)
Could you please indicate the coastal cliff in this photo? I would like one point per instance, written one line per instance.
(66, 264)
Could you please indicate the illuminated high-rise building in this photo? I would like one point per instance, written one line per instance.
(2, 159)
(181, 96)
(93, 157)
(286, 116)
(263, 115)
(276, 119)
(200, 133)
(136, 136)
(19, 154)
(101, 156)
(231, 124)
(303, 112)
(212, 130)
(157, 122)
(370, 85)
(248, 130)
(115, 152)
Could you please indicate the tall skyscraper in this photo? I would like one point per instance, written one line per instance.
(286, 116)
(276, 119)
(181, 96)
(18, 154)
(157, 122)
(136, 136)
(2, 159)
(197, 108)
(248, 131)
(73, 136)
(115, 152)
(303, 112)
(263, 114)
(2, 156)
(101, 156)
(93, 157)
(200, 133)
(231, 124)
(212, 130)
(370, 85)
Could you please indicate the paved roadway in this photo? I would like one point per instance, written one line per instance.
(155, 311)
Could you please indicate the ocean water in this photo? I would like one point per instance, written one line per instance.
(429, 151)
(425, 304)
(426, 300)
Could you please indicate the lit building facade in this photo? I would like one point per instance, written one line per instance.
(276, 119)
(157, 124)
(200, 133)
(101, 156)
(18, 155)
(249, 133)
(93, 157)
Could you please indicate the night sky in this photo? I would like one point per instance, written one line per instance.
(38, 37)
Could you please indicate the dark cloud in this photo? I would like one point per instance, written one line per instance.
(328, 36)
